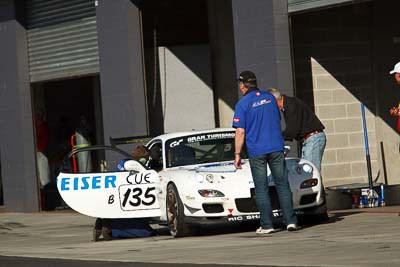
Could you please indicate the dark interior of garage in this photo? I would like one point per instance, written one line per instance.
(64, 105)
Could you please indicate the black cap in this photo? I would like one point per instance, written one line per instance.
(247, 76)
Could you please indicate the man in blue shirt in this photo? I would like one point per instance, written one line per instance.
(257, 121)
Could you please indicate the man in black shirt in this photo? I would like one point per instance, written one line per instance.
(303, 125)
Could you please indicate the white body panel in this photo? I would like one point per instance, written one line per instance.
(105, 197)
(232, 183)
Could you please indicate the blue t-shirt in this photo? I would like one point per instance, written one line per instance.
(258, 113)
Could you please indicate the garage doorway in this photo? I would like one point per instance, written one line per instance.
(62, 108)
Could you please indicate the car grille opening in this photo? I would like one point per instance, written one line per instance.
(213, 208)
(249, 204)
(307, 199)
(246, 205)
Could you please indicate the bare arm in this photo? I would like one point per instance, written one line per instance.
(239, 141)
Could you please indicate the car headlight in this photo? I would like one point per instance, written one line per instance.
(307, 168)
(210, 193)
(199, 178)
(309, 183)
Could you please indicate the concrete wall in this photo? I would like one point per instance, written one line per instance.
(262, 44)
(122, 84)
(334, 74)
(223, 62)
(186, 90)
(17, 145)
(338, 66)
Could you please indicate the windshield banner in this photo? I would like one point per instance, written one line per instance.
(199, 137)
(111, 195)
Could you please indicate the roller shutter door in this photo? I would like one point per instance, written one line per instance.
(62, 39)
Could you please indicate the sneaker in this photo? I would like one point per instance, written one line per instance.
(261, 231)
(107, 233)
(292, 227)
(96, 235)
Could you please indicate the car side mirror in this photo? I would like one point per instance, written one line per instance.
(133, 165)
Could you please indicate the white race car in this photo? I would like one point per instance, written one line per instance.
(195, 182)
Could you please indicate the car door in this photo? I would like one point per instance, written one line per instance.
(105, 192)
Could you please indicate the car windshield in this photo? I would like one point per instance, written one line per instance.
(201, 148)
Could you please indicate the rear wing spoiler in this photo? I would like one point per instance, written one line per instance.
(142, 139)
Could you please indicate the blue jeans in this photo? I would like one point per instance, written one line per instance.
(277, 165)
(313, 149)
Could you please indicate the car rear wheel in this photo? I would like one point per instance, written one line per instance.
(321, 218)
(176, 224)
(315, 215)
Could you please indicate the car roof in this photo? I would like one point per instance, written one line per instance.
(167, 136)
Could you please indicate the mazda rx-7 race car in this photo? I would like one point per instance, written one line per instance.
(190, 179)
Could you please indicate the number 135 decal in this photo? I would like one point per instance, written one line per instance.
(138, 197)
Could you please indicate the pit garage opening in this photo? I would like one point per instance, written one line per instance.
(62, 108)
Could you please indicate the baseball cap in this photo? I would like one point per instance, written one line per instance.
(396, 69)
(248, 76)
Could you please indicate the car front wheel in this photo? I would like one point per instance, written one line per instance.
(176, 224)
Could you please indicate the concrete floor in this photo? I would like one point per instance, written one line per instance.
(359, 237)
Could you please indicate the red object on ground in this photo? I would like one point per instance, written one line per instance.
(355, 201)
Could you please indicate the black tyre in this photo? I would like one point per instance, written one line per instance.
(321, 218)
(176, 217)
(315, 215)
